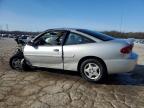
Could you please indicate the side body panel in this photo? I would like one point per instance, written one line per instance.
(104, 50)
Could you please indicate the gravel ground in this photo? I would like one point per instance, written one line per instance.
(57, 89)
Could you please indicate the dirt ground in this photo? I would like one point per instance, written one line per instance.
(57, 89)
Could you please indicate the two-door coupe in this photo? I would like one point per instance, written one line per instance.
(91, 53)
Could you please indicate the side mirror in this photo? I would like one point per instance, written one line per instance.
(31, 43)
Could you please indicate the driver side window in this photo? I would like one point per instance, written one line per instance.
(51, 38)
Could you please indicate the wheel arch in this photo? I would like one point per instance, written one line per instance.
(90, 57)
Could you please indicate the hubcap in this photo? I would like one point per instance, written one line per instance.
(16, 63)
(92, 71)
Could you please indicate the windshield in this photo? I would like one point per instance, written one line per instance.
(95, 34)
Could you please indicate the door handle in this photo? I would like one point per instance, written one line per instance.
(56, 50)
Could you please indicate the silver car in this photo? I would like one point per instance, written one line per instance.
(91, 53)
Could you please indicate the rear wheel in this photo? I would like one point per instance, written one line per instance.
(93, 70)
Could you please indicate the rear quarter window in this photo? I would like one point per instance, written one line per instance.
(74, 38)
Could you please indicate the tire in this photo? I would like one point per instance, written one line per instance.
(15, 58)
(18, 62)
(93, 70)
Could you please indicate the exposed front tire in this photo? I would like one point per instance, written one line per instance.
(18, 62)
(93, 70)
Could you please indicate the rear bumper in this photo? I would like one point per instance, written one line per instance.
(122, 65)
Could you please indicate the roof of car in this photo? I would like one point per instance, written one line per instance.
(68, 29)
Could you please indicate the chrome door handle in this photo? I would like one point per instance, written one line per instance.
(56, 50)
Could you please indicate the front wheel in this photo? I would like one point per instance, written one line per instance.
(18, 62)
(93, 70)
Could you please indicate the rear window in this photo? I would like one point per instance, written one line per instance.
(95, 34)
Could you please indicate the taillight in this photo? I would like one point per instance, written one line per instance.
(126, 49)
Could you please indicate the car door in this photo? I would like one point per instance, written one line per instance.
(74, 50)
(47, 50)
